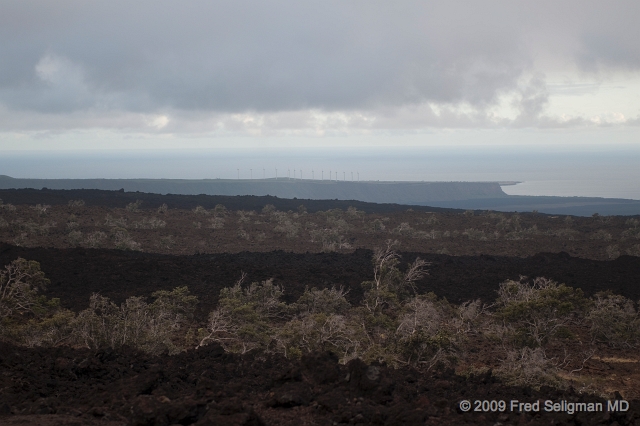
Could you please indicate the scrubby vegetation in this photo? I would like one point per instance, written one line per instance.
(537, 332)
(139, 227)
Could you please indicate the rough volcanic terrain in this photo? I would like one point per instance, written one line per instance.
(318, 247)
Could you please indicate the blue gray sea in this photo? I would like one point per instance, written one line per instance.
(611, 172)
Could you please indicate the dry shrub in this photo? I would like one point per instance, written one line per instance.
(612, 251)
(151, 327)
(567, 233)
(76, 203)
(216, 223)
(123, 240)
(330, 238)
(149, 223)
(201, 211)
(614, 320)
(74, 238)
(377, 226)
(95, 239)
(120, 222)
(540, 310)
(3, 223)
(8, 207)
(42, 209)
(634, 250)
(287, 227)
(134, 207)
(163, 209)
(477, 234)
(600, 234)
(268, 209)
(528, 367)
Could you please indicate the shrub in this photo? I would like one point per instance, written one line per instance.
(216, 223)
(163, 208)
(614, 320)
(355, 213)
(20, 283)
(377, 225)
(528, 367)
(8, 207)
(74, 238)
(390, 285)
(289, 228)
(200, 210)
(404, 229)
(432, 220)
(568, 233)
(314, 333)
(119, 222)
(634, 251)
(613, 251)
(166, 241)
(244, 217)
(330, 238)
(41, 208)
(327, 301)
(150, 223)
(151, 327)
(134, 207)
(241, 322)
(540, 310)
(631, 233)
(76, 203)
(475, 234)
(95, 239)
(426, 332)
(3, 222)
(123, 241)
(21, 240)
(268, 209)
(600, 234)
(220, 210)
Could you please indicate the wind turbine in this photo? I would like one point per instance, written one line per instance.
(276, 174)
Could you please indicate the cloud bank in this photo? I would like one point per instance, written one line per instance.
(285, 67)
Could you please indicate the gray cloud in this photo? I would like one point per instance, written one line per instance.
(199, 57)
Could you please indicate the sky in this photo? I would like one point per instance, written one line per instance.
(202, 74)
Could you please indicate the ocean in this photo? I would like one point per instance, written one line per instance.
(611, 172)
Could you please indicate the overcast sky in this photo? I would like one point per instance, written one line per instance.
(156, 73)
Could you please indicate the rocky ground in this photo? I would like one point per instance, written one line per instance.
(65, 386)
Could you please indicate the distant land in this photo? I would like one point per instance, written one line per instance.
(457, 195)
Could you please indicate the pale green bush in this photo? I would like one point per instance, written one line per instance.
(134, 207)
(614, 320)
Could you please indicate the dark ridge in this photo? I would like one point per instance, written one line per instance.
(119, 199)
(77, 273)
